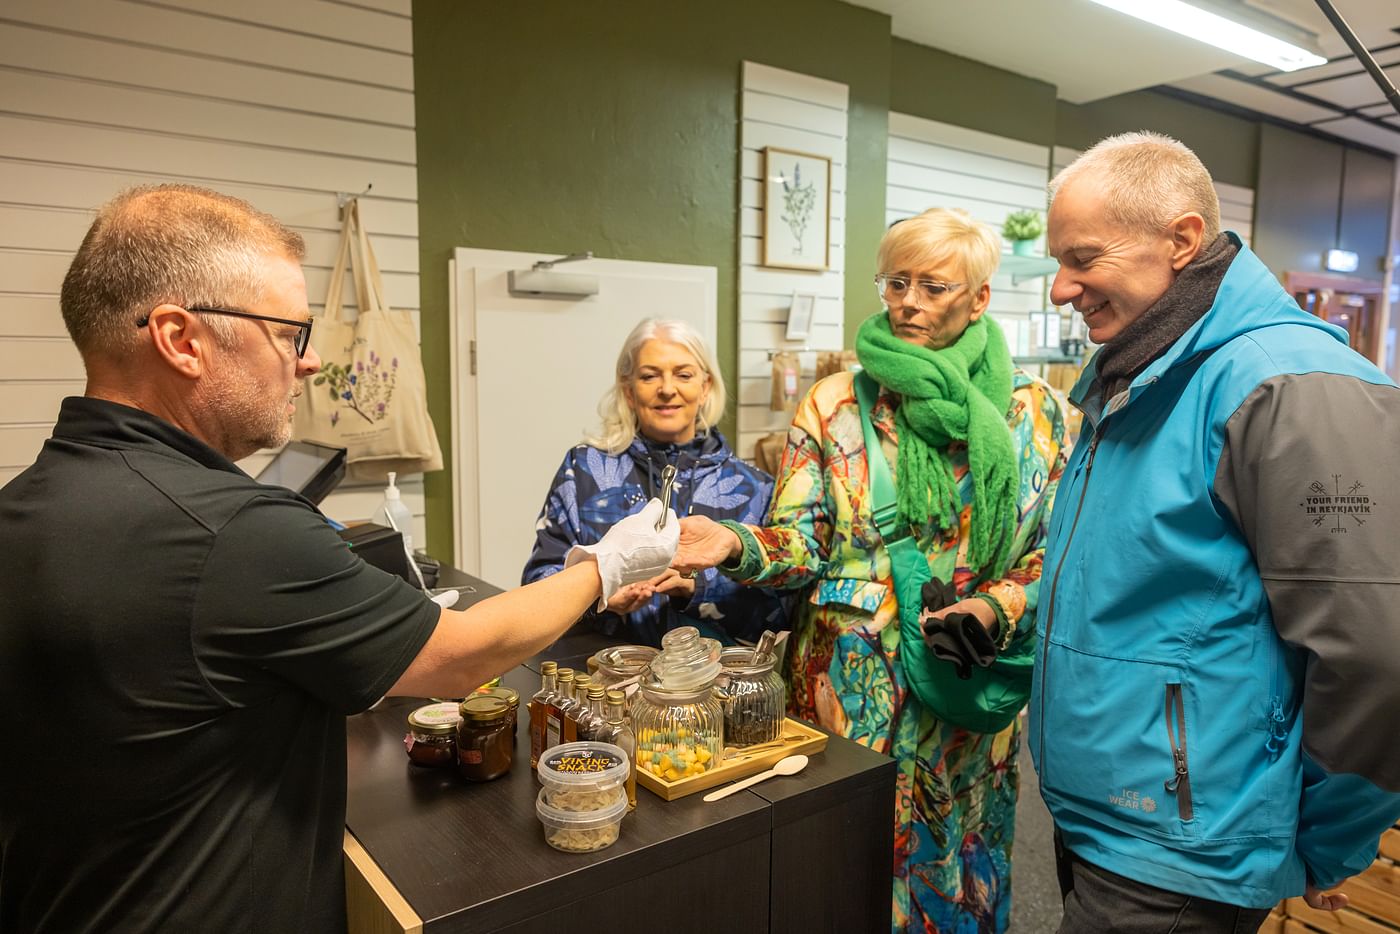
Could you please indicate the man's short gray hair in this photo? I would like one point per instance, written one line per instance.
(1149, 180)
(176, 244)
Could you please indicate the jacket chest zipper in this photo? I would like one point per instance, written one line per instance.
(1180, 782)
(1054, 588)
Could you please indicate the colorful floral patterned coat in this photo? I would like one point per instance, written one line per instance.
(955, 796)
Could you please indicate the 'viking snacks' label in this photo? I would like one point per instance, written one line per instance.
(574, 763)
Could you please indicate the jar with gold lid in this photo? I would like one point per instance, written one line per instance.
(431, 739)
(510, 695)
(485, 737)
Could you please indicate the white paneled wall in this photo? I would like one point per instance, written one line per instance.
(938, 165)
(1236, 203)
(806, 114)
(283, 104)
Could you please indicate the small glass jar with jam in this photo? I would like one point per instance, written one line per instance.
(485, 737)
(431, 739)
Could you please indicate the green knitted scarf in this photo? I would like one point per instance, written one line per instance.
(959, 393)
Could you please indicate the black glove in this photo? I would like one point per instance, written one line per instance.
(935, 595)
(959, 638)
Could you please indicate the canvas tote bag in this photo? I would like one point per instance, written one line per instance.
(370, 396)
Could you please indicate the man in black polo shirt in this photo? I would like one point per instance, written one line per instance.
(179, 645)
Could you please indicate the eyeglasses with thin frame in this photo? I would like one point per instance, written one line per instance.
(303, 338)
(892, 289)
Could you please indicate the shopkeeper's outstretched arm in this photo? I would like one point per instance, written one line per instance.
(471, 647)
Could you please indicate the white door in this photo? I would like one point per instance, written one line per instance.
(541, 366)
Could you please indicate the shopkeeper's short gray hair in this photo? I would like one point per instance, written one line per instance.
(1149, 180)
(168, 244)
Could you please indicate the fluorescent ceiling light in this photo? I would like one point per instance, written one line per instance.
(1213, 29)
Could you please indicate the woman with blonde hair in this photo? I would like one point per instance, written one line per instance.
(920, 555)
(660, 411)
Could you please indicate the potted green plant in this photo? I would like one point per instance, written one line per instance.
(1022, 228)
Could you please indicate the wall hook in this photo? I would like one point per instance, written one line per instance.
(343, 198)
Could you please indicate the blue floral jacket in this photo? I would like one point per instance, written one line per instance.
(594, 489)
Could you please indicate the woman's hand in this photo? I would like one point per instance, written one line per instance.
(978, 608)
(704, 544)
(673, 584)
(631, 597)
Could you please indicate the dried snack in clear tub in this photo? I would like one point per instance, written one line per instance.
(583, 798)
(582, 831)
(579, 801)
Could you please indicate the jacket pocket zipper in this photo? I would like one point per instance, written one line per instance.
(1180, 782)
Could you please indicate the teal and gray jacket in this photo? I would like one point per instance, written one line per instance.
(1218, 681)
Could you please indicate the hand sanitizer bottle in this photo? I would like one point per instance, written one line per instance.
(395, 515)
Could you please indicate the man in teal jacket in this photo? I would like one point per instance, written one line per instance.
(1213, 714)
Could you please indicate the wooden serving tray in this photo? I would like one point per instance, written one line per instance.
(797, 737)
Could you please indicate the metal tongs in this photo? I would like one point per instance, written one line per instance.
(668, 481)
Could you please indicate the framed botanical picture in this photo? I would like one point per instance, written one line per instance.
(796, 209)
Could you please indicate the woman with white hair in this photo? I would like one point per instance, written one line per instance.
(922, 562)
(660, 411)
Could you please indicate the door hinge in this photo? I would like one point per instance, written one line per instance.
(473, 357)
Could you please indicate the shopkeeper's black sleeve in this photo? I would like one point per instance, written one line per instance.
(283, 599)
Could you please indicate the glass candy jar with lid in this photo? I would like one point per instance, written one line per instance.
(754, 698)
(620, 663)
(677, 718)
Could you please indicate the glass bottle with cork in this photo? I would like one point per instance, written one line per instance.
(618, 731)
(539, 709)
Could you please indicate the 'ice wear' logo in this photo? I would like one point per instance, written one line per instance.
(1130, 800)
(1337, 504)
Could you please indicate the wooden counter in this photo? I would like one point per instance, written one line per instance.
(427, 851)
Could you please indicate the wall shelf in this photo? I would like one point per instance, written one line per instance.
(1024, 268)
(1045, 359)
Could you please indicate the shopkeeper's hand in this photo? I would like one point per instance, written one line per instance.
(704, 544)
(674, 584)
(633, 550)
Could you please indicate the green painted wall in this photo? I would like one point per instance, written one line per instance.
(1297, 224)
(1227, 144)
(940, 86)
(614, 126)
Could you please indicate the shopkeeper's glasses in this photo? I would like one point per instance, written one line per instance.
(927, 292)
(303, 338)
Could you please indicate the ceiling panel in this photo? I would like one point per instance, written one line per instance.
(1090, 52)
(1346, 65)
(1255, 97)
(1355, 91)
(1363, 132)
